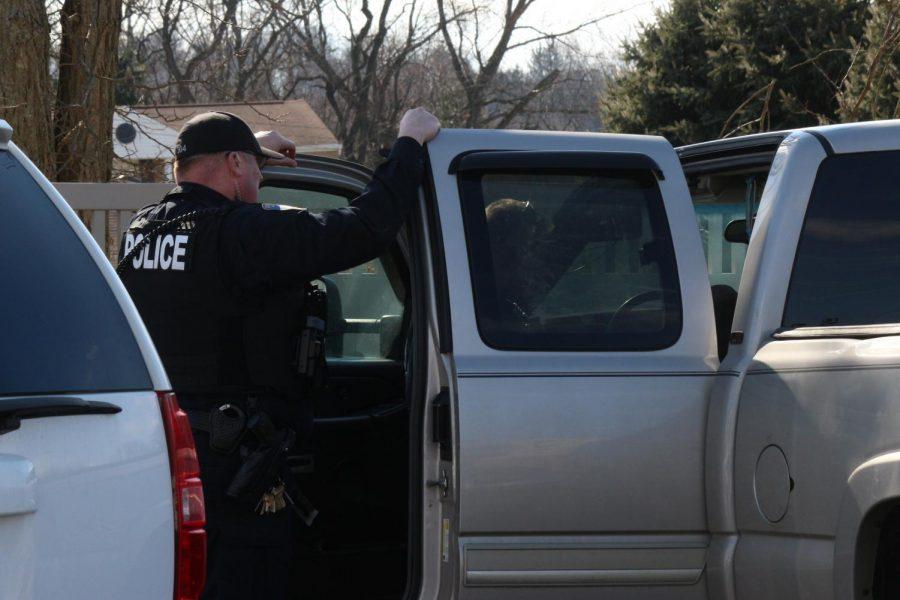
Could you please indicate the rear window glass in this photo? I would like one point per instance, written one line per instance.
(62, 328)
(574, 261)
(847, 269)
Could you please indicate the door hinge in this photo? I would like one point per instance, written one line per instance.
(443, 483)
(441, 431)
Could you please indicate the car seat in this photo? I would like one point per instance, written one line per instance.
(724, 302)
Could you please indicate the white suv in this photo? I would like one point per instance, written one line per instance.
(94, 452)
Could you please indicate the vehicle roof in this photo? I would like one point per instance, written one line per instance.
(865, 136)
(748, 151)
(739, 143)
(843, 138)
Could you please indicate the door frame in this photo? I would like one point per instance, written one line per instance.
(415, 246)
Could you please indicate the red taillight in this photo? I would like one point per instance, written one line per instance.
(187, 498)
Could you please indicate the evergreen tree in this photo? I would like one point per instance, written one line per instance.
(709, 68)
(872, 87)
(664, 86)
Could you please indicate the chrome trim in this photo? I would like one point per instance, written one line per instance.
(569, 374)
(838, 331)
(584, 577)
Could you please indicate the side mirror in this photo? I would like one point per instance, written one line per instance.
(736, 232)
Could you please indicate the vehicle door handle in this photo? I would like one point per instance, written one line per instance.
(17, 483)
(13, 410)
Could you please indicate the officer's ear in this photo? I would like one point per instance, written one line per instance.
(234, 162)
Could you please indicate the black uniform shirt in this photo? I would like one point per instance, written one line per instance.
(225, 314)
(264, 251)
(222, 317)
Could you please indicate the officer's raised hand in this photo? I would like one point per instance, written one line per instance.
(420, 125)
(277, 142)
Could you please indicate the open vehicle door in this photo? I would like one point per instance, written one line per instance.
(579, 345)
(356, 472)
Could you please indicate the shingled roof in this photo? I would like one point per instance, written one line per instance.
(294, 119)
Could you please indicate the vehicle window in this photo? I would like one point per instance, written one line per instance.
(63, 330)
(571, 261)
(365, 303)
(848, 259)
(718, 200)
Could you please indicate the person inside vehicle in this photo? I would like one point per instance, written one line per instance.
(222, 284)
(513, 227)
(531, 251)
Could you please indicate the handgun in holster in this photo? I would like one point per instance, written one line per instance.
(266, 466)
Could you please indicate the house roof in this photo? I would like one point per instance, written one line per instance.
(295, 119)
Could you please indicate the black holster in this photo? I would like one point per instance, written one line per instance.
(265, 466)
(309, 352)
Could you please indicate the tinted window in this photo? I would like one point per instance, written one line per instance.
(847, 269)
(365, 303)
(62, 328)
(571, 261)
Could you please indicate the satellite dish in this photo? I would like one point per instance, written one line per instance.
(126, 133)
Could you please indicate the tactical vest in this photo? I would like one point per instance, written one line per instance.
(212, 339)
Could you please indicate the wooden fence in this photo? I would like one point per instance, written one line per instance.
(107, 208)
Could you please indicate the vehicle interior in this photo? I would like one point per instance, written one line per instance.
(356, 471)
(726, 179)
(572, 255)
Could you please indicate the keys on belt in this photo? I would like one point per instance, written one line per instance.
(272, 501)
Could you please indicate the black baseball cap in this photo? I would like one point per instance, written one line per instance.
(211, 132)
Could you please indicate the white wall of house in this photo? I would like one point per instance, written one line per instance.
(153, 140)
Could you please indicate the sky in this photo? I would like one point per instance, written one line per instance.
(604, 37)
(554, 16)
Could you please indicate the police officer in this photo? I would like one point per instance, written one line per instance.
(220, 282)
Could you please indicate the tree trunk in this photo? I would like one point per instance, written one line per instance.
(26, 91)
(86, 94)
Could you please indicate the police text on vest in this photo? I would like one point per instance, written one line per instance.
(167, 253)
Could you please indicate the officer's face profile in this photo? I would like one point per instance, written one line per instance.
(245, 174)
